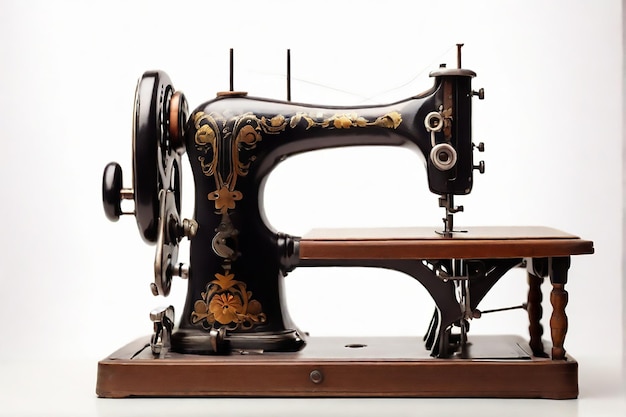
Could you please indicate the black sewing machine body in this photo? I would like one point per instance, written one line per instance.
(237, 262)
(233, 143)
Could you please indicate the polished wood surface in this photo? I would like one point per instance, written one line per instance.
(425, 243)
(343, 367)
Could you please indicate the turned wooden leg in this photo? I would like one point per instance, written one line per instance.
(535, 313)
(558, 299)
(558, 321)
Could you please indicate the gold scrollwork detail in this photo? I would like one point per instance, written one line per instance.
(275, 124)
(240, 134)
(227, 302)
(389, 120)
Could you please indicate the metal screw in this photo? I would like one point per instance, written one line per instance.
(316, 376)
(480, 93)
(480, 167)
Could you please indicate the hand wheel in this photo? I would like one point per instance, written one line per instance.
(156, 163)
(159, 119)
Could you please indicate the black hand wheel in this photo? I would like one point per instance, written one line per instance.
(157, 146)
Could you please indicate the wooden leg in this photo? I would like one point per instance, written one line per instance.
(558, 321)
(535, 313)
(558, 299)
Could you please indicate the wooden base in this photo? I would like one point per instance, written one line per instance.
(492, 366)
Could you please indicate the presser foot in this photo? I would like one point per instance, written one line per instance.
(163, 322)
(447, 201)
(449, 233)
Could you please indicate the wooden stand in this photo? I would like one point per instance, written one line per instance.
(490, 366)
(341, 367)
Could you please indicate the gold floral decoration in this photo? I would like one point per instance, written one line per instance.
(225, 308)
(226, 302)
(225, 199)
(389, 120)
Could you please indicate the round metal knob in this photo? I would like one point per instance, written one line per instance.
(433, 122)
(189, 228)
(443, 156)
(112, 191)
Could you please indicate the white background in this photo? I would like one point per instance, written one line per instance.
(75, 286)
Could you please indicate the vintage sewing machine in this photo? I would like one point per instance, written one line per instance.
(234, 336)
